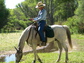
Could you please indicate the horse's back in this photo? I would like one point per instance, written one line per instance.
(58, 28)
(59, 31)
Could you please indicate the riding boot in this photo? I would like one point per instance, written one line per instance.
(43, 43)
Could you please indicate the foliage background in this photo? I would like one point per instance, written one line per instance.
(63, 12)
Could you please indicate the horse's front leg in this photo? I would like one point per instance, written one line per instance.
(35, 55)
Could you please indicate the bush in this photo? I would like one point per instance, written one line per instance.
(75, 25)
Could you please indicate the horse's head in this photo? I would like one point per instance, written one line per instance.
(18, 55)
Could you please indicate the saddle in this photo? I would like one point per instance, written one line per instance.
(47, 30)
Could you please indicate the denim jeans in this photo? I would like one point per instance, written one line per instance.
(41, 25)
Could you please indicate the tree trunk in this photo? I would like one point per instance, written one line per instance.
(51, 13)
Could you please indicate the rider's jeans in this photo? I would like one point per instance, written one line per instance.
(41, 25)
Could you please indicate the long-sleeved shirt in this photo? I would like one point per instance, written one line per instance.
(41, 15)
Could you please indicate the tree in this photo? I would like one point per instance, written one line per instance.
(4, 13)
(28, 8)
(15, 21)
(80, 16)
(76, 23)
(56, 9)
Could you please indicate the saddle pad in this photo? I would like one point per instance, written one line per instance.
(49, 32)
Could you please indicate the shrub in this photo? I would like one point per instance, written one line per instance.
(75, 25)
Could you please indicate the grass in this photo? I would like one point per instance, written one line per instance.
(79, 39)
(9, 40)
(74, 57)
(78, 36)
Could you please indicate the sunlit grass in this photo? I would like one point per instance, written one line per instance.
(78, 36)
(8, 40)
(74, 57)
(79, 39)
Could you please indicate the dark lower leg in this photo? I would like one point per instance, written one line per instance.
(40, 60)
(66, 56)
(34, 61)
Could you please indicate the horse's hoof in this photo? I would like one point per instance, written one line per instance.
(58, 60)
(66, 61)
(40, 60)
(34, 61)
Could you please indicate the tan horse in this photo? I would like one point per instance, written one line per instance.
(29, 35)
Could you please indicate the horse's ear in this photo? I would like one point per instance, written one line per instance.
(15, 48)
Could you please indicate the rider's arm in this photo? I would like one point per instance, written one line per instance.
(41, 15)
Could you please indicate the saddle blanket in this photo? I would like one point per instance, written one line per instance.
(49, 32)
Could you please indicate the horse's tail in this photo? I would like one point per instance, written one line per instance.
(68, 35)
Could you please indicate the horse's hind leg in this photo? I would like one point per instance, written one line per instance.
(60, 51)
(66, 51)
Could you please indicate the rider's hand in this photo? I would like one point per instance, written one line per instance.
(31, 19)
(34, 21)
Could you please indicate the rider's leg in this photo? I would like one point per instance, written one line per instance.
(40, 30)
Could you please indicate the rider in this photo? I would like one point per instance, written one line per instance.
(41, 20)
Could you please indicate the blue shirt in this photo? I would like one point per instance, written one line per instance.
(41, 15)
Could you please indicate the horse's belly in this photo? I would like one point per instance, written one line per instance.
(50, 39)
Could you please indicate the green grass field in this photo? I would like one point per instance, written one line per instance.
(9, 40)
(74, 57)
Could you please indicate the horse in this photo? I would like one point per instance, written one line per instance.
(30, 35)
